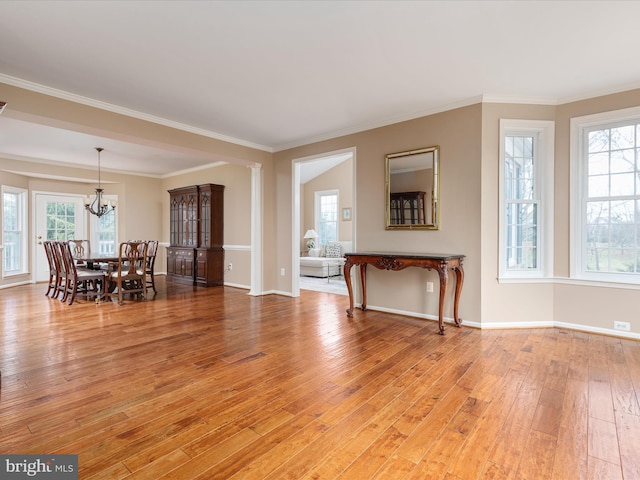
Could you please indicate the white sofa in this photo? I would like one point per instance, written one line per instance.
(325, 261)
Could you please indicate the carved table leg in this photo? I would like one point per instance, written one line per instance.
(459, 280)
(443, 273)
(347, 279)
(363, 279)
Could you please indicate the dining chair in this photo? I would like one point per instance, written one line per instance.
(54, 275)
(61, 270)
(79, 249)
(152, 250)
(128, 274)
(79, 280)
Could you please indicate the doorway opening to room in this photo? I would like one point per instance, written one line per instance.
(323, 221)
(57, 217)
(63, 217)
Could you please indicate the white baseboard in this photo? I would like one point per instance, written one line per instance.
(514, 325)
(275, 292)
(17, 284)
(603, 331)
(237, 285)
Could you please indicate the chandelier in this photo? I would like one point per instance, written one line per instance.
(99, 206)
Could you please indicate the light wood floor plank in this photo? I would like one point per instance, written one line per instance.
(443, 451)
(571, 448)
(603, 441)
(497, 472)
(481, 440)
(601, 470)
(628, 427)
(537, 458)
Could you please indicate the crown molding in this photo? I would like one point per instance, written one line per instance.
(88, 168)
(379, 123)
(489, 98)
(35, 87)
(194, 169)
(57, 163)
(600, 93)
(484, 98)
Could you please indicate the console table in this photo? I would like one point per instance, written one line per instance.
(400, 261)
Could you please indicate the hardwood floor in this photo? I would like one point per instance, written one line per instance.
(213, 383)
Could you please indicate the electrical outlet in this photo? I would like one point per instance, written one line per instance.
(282, 272)
(429, 287)
(230, 267)
(624, 326)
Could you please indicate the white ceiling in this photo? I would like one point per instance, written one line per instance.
(276, 74)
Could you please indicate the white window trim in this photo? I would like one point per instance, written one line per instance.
(544, 131)
(25, 254)
(92, 224)
(577, 190)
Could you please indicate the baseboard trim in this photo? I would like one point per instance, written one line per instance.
(513, 325)
(237, 285)
(274, 292)
(602, 331)
(17, 284)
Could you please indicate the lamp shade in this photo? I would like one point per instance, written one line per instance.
(311, 234)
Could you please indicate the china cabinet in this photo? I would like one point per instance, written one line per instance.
(195, 255)
(407, 208)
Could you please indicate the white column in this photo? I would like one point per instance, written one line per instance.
(256, 230)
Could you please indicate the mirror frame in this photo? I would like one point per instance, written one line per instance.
(435, 193)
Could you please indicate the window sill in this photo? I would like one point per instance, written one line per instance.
(526, 280)
(570, 281)
(14, 275)
(589, 282)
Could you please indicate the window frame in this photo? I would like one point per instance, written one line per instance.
(317, 197)
(543, 132)
(23, 206)
(579, 130)
(94, 227)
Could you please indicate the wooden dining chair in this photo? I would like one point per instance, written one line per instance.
(129, 274)
(54, 275)
(80, 249)
(61, 270)
(152, 250)
(79, 280)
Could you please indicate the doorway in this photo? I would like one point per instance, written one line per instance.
(329, 171)
(57, 217)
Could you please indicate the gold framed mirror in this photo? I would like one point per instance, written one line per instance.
(412, 189)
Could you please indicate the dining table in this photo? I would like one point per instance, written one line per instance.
(97, 261)
(94, 259)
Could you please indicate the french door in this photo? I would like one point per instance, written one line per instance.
(58, 217)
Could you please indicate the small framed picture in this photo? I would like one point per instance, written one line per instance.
(346, 214)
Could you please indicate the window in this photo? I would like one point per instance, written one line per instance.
(605, 173)
(14, 237)
(61, 219)
(327, 216)
(103, 231)
(526, 198)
